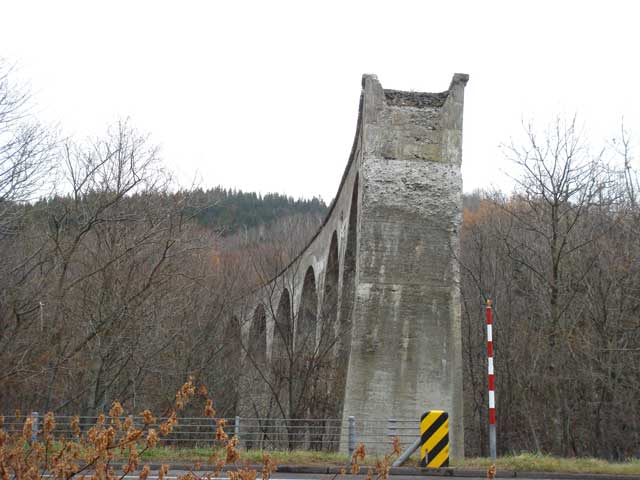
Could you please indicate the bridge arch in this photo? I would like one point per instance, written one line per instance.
(329, 310)
(392, 288)
(257, 345)
(349, 274)
(307, 319)
(282, 335)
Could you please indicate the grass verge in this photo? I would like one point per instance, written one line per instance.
(528, 462)
(302, 457)
(525, 462)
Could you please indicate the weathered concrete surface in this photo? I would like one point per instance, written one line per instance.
(406, 343)
(396, 219)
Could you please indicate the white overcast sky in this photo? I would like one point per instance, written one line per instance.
(264, 95)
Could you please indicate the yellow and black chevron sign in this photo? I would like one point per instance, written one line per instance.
(434, 444)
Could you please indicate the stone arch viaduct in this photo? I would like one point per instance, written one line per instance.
(376, 291)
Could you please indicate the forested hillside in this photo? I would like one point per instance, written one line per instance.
(227, 210)
(224, 211)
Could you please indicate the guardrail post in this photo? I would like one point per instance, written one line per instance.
(236, 427)
(404, 456)
(391, 427)
(352, 434)
(34, 426)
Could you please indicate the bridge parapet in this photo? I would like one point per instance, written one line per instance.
(374, 297)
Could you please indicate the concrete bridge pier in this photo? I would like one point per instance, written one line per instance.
(405, 347)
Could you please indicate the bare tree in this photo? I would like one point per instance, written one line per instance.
(560, 262)
(26, 164)
(560, 181)
(26, 150)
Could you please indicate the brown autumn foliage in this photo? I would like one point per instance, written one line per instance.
(30, 453)
(93, 454)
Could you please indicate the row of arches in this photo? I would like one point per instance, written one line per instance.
(312, 328)
(318, 337)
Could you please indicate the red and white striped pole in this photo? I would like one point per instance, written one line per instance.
(492, 385)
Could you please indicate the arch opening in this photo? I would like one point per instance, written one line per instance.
(256, 352)
(303, 366)
(307, 315)
(257, 348)
(329, 310)
(282, 338)
(227, 384)
(349, 272)
(347, 300)
(325, 404)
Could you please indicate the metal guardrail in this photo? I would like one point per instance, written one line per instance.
(324, 434)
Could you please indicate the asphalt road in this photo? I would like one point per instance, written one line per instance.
(174, 474)
(291, 472)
